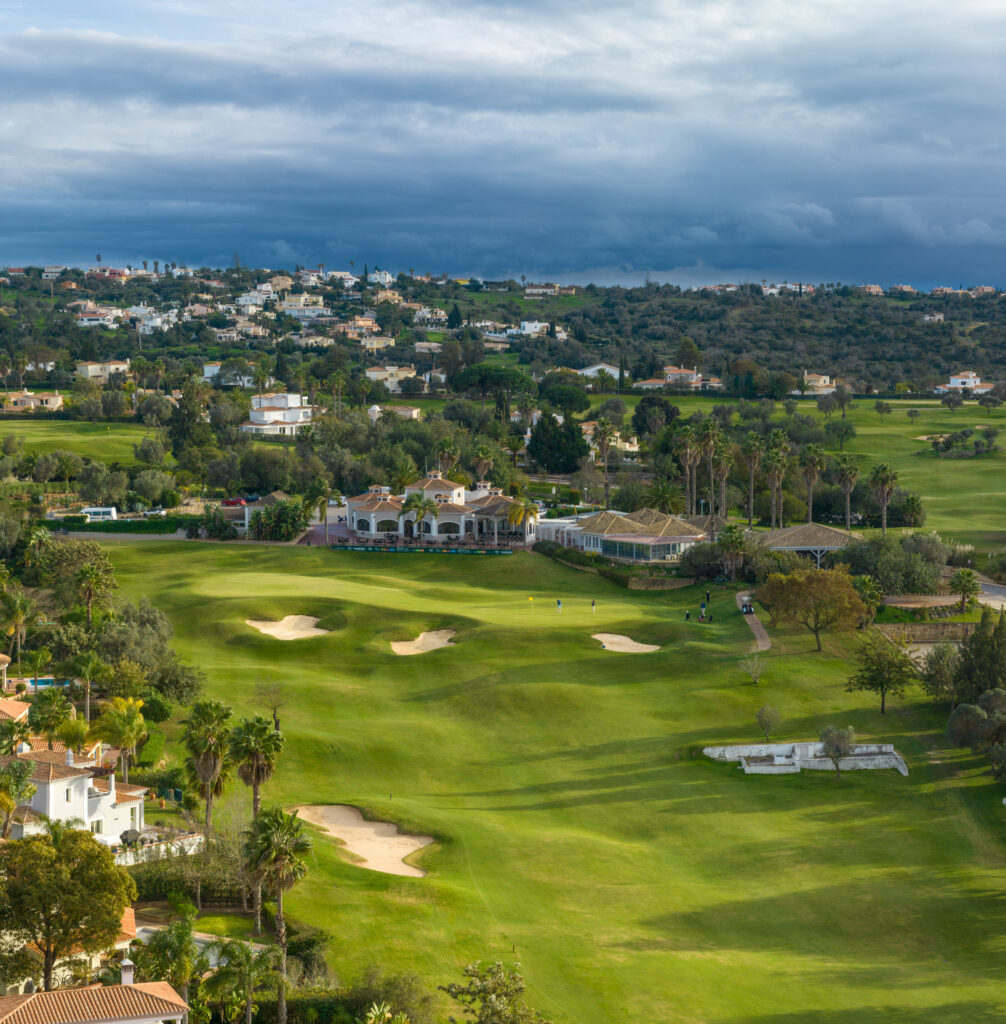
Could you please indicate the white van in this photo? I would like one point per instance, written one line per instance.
(97, 515)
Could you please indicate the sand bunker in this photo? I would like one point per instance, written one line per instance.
(623, 644)
(379, 843)
(424, 642)
(293, 627)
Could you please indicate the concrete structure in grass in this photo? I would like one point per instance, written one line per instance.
(790, 758)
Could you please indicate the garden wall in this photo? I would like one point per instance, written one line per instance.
(926, 632)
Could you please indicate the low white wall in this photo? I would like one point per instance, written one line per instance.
(808, 755)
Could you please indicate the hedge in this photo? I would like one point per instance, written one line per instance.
(155, 524)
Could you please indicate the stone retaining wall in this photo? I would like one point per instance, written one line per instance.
(927, 632)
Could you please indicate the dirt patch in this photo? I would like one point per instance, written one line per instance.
(378, 843)
(431, 641)
(293, 627)
(623, 644)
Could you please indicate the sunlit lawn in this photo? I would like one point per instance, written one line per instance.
(579, 829)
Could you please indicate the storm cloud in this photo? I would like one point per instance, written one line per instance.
(693, 141)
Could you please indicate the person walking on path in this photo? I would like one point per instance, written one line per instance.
(707, 595)
(688, 615)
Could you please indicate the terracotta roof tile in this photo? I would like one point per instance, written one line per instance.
(13, 710)
(107, 1005)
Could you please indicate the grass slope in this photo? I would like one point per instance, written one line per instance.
(107, 442)
(578, 830)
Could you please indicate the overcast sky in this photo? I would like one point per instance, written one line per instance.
(694, 140)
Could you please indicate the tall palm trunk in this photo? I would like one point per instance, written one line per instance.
(209, 805)
(281, 942)
(257, 894)
(848, 509)
(751, 476)
(712, 484)
(883, 522)
(810, 501)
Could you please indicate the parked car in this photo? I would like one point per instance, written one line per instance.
(155, 512)
(234, 502)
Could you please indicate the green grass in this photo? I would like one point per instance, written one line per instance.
(578, 829)
(106, 442)
(230, 926)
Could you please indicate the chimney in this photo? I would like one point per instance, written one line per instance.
(69, 757)
(127, 968)
(111, 786)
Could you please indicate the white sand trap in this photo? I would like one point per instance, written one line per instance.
(623, 644)
(293, 627)
(379, 843)
(424, 642)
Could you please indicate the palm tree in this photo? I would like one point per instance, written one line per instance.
(172, 953)
(604, 439)
(19, 613)
(775, 470)
(12, 735)
(87, 667)
(812, 463)
(421, 508)
(207, 738)
(447, 455)
(241, 969)
(5, 366)
(36, 662)
(49, 710)
(752, 450)
(723, 461)
(255, 747)
(513, 443)
(403, 471)
(337, 382)
(965, 582)
(93, 581)
(883, 480)
(483, 460)
(732, 544)
(275, 849)
(522, 511)
(709, 437)
(686, 444)
(121, 725)
(38, 540)
(847, 472)
(16, 788)
(666, 496)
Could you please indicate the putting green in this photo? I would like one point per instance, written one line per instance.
(578, 830)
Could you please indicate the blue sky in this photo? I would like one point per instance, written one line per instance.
(691, 141)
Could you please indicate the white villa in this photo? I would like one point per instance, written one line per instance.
(967, 380)
(482, 513)
(595, 368)
(641, 536)
(277, 412)
(69, 785)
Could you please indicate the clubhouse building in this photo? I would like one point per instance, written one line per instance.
(641, 536)
(480, 515)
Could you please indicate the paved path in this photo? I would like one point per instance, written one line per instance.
(762, 640)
